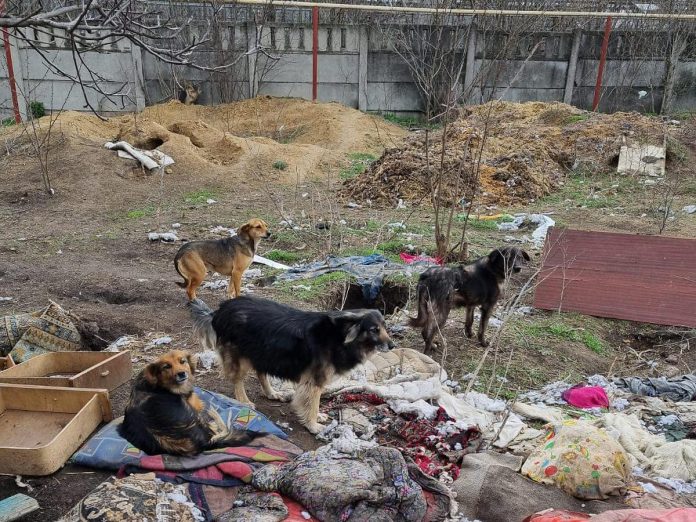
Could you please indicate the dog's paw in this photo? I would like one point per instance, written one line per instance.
(322, 417)
(279, 396)
(469, 333)
(250, 405)
(315, 428)
(484, 343)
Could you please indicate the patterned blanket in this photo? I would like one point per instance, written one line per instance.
(24, 336)
(222, 467)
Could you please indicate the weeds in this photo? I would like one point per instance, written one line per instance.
(575, 118)
(199, 196)
(141, 212)
(358, 163)
(280, 165)
(567, 333)
(408, 122)
(313, 289)
(283, 256)
(485, 224)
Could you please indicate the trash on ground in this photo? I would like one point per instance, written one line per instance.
(369, 271)
(542, 221)
(150, 159)
(642, 159)
(207, 360)
(410, 259)
(16, 506)
(166, 237)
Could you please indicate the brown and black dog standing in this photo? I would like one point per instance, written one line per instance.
(230, 256)
(479, 284)
(164, 414)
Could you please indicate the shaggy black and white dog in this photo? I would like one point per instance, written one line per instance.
(479, 284)
(307, 348)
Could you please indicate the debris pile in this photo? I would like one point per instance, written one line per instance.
(526, 149)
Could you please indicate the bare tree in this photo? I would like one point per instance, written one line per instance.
(156, 28)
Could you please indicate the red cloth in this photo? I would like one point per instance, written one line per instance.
(586, 397)
(410, 258)
(619, 515)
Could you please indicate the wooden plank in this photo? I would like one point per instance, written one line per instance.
(53, 398)
(108, 374)
(102, 370)
(17, 506)
(623, 276)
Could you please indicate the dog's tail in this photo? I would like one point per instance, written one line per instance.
(422, 318)
(176, 265)
(203, 324)
(236, 438)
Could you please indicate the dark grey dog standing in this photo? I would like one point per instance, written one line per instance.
(478, 284)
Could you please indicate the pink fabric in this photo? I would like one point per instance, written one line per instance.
(620, 515)
(586, 397)
(410, 258)
(647, 515)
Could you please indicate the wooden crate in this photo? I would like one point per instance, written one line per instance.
(103, 370)
(42, 426)
(6, 362)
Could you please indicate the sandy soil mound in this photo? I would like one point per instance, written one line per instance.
(527, 150)
(281, 139)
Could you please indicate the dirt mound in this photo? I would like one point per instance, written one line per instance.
(286, 121)
(527, 150)
(280, 139)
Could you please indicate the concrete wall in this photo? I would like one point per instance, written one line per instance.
(356, 67)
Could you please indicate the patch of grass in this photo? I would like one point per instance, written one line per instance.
(358, 163)
(313, 289)
(372, 225)
(280, 165)
(393, 246)
(593, 342)
(576, 118)
(138, 213)
(568, 333)
(7, 122)
(283, 256)
(484, 224)
(409, 122)
(199, 196)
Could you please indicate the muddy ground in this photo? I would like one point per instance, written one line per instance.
(86, 246)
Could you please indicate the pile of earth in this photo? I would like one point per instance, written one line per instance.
(501, 153)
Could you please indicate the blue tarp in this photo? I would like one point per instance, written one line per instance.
(369, 271)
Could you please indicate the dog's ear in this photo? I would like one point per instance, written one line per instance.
(496, 256)
(526, 256)
(244, 230)
(352, 334)
(151, 373)
(193, 361)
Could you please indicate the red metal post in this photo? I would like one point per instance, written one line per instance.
(315, 50)
(602, 62)
(10, 68)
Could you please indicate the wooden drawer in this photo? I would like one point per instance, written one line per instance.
(103, 370)
(42, 426)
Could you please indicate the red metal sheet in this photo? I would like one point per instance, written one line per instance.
(650, 279)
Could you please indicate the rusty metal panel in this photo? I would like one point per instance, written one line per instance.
(650, 279)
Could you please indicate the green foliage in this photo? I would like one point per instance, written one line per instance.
(358, 163)
(37, 109)
(280, 165)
